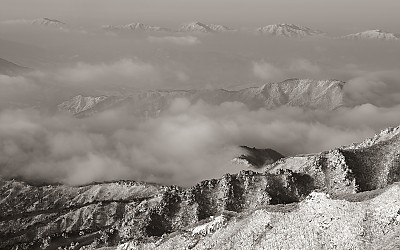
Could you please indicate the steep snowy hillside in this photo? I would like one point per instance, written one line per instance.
(288, 30)
(325, 95)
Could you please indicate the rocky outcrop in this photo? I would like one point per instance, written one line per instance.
(257, 158)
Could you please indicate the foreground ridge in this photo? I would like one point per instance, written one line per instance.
(352, 188)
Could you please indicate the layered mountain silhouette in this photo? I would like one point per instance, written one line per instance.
(313, 94)
(344, 198)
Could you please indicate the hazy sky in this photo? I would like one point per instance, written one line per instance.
(323, 14)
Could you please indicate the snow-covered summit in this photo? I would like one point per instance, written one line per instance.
(373, 34)
(201, 27)
(288, 30)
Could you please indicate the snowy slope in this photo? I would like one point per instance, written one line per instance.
(288, 30)
(373, 35)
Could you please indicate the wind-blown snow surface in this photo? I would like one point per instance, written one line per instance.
(373, 35)
(288, 30)
(313, 94)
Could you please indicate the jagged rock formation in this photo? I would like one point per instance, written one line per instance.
(137, 27)
(257, 158)
(373, 35)
(205, 28)
(10, 69)
(288, 30)
(247, 210)
(312, 94)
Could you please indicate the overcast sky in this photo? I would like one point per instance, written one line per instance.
(339, 15)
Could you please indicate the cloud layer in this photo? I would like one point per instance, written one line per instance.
(178, 40)
(184, 145)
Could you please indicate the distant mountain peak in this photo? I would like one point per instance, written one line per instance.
(197, 26)
(288, 30)
(48, 22)
(376, 34)
(133, 27)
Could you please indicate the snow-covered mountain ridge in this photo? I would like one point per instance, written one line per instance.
(288, 30)
(313, 94)
(373, 35)
(134, 27)
(205, 28)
